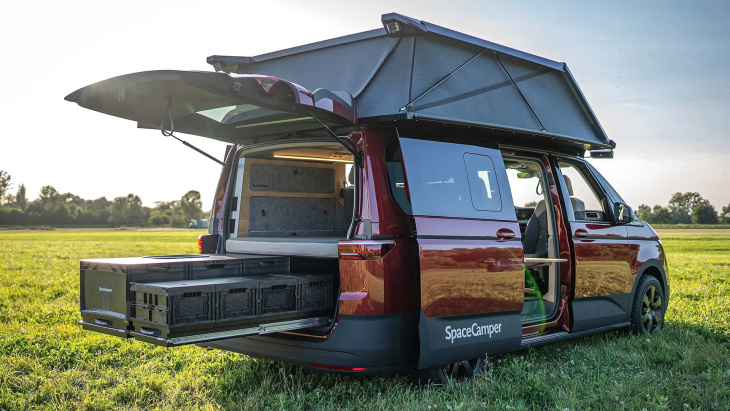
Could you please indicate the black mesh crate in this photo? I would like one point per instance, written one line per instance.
(173, 303)
(263, 264)
(237, 300)
(277, 294)
(317, 292)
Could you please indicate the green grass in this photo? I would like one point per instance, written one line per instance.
(47, 361)
(692, 226)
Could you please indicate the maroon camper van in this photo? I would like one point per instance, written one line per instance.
(406, 199)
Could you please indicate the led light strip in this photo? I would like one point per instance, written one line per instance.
(329, 160)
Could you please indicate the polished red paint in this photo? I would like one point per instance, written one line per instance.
(602, 262)
(467, 269)
(390, 284)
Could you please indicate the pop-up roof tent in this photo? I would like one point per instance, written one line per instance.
(412, 69)
(408, 72)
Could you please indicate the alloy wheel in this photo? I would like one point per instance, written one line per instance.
(651, 309)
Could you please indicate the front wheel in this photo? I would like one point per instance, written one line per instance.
(458, 372)
(647, 312)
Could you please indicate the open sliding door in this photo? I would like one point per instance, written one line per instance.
(470, 251)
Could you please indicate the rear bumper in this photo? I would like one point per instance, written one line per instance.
(380, 343)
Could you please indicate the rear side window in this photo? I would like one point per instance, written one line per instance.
(483, 185)
(455, 180)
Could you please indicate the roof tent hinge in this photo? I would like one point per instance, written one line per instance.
(386, 53)
(166, 133)
(230, 64)
(398, 25)
(440, 82)
(519, 91)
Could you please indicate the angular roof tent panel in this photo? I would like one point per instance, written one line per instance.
(385, 74)
(480, 92)
(389, 88)
(551, 97)
(344, 67)
(437, 57)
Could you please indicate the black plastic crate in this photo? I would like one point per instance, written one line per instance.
(317, 292)
(237, 300)
(173, 303)
(277, 294)
(216, 267)
(264, 264)
(104, 285)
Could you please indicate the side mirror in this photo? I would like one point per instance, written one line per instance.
(622, 213)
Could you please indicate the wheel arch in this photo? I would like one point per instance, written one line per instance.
(654, 268)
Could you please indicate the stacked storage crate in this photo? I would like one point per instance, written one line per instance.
(159, 298)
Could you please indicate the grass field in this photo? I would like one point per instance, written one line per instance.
(47, 361)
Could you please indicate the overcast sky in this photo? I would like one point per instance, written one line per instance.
(654, 72)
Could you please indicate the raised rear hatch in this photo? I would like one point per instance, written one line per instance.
(230, 108)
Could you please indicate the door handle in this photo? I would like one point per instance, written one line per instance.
(581, 233)
(505, 234)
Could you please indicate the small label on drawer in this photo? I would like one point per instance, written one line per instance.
(99, 321)
(149, 331)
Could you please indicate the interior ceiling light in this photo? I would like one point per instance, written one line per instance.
(328, 160)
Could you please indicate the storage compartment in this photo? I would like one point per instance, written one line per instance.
(238, 300)
(169, 309)
(216, 268)
(317, 292)
(264, 264)
(184, 299)
(105, 283)
(278, 294)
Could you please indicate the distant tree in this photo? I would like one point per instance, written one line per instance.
(128, 211)
(681, 206)
(191, 206)
(661, 215)
(644, 213)
(725, 215)
(20, 199)
(4, 184)
(531, 204)
(704, 214)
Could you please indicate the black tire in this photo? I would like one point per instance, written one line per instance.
(647, 311)
(458, 372)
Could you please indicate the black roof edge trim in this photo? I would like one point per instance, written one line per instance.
(569, 139)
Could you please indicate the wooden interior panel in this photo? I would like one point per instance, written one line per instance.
(246, 193)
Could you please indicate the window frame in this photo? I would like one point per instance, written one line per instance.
(593, 183)
(453, 150)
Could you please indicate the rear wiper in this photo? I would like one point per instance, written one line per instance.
(172, 129)
(345, 142)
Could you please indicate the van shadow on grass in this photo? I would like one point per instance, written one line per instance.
(683, 364)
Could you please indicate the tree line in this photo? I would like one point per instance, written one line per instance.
(684, 208)
(66, 209)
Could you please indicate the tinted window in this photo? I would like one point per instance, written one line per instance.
(586, 201)
(482, 182)
(455, 180)
(396, 182)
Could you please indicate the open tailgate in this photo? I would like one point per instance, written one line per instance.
(229, 108)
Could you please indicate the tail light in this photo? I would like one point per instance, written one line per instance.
(364, 249)
(337, 367)
(209, 243)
